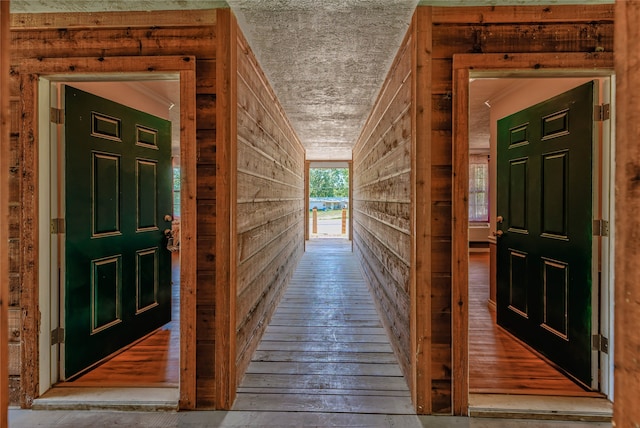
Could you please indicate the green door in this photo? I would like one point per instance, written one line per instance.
(545, 194)
(117, 270)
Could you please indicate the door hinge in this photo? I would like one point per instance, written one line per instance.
(57, 226)
(600, 228)
(56, 115)
(57, 336)
(602, 112)
(600, 343)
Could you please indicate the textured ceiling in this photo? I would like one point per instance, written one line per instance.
(326, 61)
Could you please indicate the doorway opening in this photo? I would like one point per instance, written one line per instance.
(151, 359)
(329, 200)
(490, 100)
(468, 69)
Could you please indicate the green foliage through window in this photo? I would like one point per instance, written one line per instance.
(328, 182)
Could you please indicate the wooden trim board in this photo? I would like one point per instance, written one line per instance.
(420, 281)
(566, 64)
(226, 201)
(46, 21)
(5, 123)
(307, 195)
(626, 412)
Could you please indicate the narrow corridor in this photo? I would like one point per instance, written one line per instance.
(325, 349)
(324, 361)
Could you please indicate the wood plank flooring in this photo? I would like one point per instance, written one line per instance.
(498, 363)
(325, 349)
(151, 362)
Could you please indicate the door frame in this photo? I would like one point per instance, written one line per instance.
(53, 205)
(35, 76)
(311, 164)
(5, 129)
(501, 65)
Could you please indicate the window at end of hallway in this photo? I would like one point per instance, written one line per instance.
(176, 192)
(479, 188)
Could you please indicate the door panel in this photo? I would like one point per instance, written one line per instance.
(105, 191)
(518, 196)
(545, 250)
(118, 189)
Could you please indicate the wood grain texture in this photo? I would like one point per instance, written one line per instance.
(198, 41)
(225, 257)
(481, 33)
(381, 186)
(420, 220)
(501, 38)
(30, 70)
(460, 225)
(270, 204)
(28, 190)
(75, 49)
(428, 363)
(5, 124)
(325, 349)
(186, 18)
(189, 229)
(626, 411)
(499, 363)
(529, 15)
(462, 65)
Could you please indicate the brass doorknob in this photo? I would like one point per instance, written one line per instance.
(168, 217)
(498, 233)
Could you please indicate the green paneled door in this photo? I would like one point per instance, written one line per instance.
(544, 284)
(118, 189)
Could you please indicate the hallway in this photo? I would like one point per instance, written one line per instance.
(325, 349)
(324, 360)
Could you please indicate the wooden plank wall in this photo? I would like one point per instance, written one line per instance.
(626, 412)
(382, 202)
(5, 123)
(507, 29)
(384, 219)
(270, 203)
(96, 36)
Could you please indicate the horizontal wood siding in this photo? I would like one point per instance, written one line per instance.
(270, 204)
(111, 35)
(505, 30)
(382, 202)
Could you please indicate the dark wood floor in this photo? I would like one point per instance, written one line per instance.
(498, 363)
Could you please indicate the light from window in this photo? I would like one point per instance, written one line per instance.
(479, 188)
(176, 192)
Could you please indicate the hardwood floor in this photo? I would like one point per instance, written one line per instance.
(151, 362)
(325, 349)
(498, 363)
